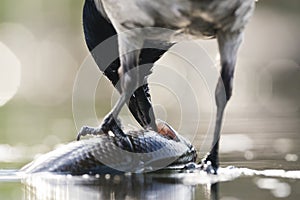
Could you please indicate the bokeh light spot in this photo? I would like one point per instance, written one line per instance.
(10, 74)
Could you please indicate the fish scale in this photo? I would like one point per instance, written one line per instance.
(107, 154)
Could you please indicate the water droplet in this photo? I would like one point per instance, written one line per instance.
(85, 176)
(107, 176)
(283, 145)
(282, 190)
(267, 183)
(249, 155)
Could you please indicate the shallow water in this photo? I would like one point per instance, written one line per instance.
(231, 183)
(261, 140)
(265, 159)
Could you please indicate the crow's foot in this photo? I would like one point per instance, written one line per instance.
(102, 129)
(210, 163)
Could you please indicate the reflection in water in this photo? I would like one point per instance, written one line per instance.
(135, 186)
(214, 188)
(190, 185)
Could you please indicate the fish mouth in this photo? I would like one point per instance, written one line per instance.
(164, 129)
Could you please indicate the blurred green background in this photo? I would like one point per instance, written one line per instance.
(46, 41)
(42, 48)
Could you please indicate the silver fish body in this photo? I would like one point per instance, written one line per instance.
(109, 154)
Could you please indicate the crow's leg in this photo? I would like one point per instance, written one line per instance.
(140, 103)
(129, 75)
(229, 43)
(96, 30)
(129, 78)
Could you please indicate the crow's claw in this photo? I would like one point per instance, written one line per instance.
(102, 129)
(86, 130)
(209, 165)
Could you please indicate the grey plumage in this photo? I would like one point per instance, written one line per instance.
(187, 15)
